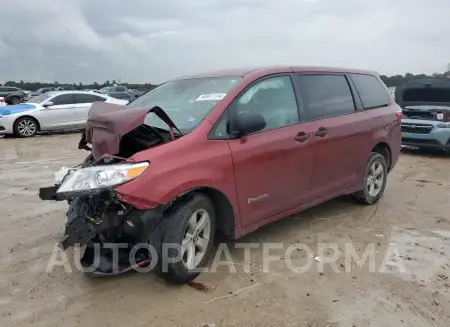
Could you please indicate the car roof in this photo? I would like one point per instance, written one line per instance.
(76, 92)
(243, 72)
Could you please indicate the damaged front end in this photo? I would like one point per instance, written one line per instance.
(96, 217)
(107, 226)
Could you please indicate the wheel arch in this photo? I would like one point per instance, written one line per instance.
(28, 116)
(225, 218)
(384, 149)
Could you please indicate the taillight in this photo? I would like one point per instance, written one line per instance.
(399, 114)
(2, 100)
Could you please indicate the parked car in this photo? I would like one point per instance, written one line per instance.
(225, 152)
(426, 113)
(137, 93)
(42, 91)
(12, 95)
(65, 88)
(113, 89)
(122, 95)
(57, 110)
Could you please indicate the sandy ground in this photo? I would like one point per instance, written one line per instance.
(410, 228)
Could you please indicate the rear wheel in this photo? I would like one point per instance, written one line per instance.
(375, 179)
(25, 127)
(189, 236)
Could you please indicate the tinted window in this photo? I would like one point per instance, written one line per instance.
(274, 98)
(326, 95)
(372, 93)
(121, 89)
(87, 98)
(63, 99)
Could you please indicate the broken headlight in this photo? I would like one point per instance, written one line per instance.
(98, 177)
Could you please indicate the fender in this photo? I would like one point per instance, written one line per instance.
(160, 185)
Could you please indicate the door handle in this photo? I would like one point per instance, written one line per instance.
(302, 137)
(321, 132)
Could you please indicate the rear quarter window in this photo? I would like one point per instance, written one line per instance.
(373, 94)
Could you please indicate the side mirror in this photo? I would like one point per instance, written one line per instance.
(48, 104)
(251, 123)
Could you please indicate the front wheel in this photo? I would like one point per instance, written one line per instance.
(25, 127)
(375, 179)
(189, 238)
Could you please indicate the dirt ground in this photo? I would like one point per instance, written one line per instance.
(410, 227)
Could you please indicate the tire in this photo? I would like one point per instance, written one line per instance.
(373, 186)
(178, 227)
(13, 100)
(25, 127)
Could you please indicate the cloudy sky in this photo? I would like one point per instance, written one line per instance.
(152, 41)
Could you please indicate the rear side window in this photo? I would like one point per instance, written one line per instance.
(87, 98)
(372, 93)
(325, 95)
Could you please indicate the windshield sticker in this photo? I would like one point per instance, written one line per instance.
(211, 97)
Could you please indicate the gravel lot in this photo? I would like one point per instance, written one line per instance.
(409, 227)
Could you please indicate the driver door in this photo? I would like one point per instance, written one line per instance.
(61, 114)
(273, 167)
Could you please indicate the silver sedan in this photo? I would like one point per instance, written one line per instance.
(51, 111)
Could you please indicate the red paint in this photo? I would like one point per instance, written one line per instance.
(294, 175)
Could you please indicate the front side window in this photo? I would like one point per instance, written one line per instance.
(63, 99)
(187, 101)
(372, 93)
(274, 98)
(326, 95)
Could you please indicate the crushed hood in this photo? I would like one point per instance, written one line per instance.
(108, 123)
(424, 92)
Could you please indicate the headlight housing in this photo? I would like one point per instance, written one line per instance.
(444, 125)
(99, 177)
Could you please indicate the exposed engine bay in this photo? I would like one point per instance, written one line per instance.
(96, 217)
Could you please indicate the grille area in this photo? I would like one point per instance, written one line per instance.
(416, 128)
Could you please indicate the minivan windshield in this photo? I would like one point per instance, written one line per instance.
(186, 101)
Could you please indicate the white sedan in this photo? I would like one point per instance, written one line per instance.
(61, 110)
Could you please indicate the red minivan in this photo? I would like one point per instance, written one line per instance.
(226, 152)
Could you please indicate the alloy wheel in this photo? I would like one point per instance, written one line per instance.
(196, 239)
(375, 178)
(27, 127)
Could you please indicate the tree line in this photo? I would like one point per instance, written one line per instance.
(33, 86)
(400, 79)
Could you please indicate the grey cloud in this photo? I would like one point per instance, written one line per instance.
(151, 41)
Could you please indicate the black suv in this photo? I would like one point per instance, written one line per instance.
(12, 95)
